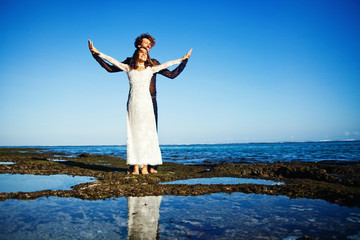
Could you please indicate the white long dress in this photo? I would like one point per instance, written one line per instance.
(142, 139)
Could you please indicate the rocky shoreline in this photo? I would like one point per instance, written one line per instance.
(335, 182)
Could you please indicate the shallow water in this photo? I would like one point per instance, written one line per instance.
(31, 183)
(57, 160)
(6, 163)
(224, 180)
(215, 216)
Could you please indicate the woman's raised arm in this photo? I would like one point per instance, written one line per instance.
(113, 61)
(170, 63)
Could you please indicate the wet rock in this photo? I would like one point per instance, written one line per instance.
(39, 158)
(86, 155)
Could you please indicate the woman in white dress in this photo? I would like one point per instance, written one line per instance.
(142, 139)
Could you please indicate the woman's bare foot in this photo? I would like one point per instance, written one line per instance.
(144, 170)
(152, 170)
(136, 170)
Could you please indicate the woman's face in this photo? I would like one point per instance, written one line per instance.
(142, 55)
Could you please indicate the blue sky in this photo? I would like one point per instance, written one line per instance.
(261, 71)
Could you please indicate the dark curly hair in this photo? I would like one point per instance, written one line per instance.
(135, 58)
(139, 39)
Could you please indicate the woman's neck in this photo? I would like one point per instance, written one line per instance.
(140, 65)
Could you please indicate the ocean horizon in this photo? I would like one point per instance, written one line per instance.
(176, 144)
(252, 152)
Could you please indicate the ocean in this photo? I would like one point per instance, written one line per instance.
(235, 152)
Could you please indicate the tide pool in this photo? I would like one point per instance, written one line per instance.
(31, 183)
(214, 216)
(224, 180)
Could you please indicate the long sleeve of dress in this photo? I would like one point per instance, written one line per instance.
(174, 73)
(106, 66)
(165, 65)
(115, 62)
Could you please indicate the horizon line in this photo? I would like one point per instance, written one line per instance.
(178, 144)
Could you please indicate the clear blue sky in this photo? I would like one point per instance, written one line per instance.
(261, 71)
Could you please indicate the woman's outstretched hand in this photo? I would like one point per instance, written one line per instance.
(93, 50)
(187, 56)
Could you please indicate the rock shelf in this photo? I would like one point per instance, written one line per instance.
(333, 181)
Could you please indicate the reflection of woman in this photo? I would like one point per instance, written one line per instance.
(143, 217)
(142, 139)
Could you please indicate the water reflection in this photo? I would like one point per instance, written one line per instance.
(214, 216)
(143, 217)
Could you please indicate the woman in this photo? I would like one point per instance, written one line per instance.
(142, 139)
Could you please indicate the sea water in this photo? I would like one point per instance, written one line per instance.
(223, 180)
(214, 216)
(32, 183)
(238, 153)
